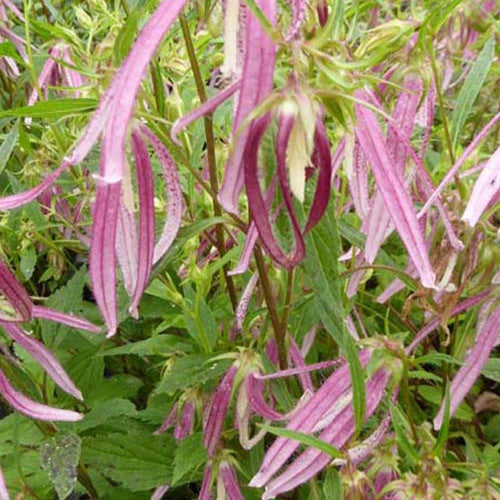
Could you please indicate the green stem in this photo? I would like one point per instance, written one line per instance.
(212, 165)
(442, 111)
(288, 300)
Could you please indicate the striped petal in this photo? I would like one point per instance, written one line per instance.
(256, 84)
(474, 363)
(396, 198)
(175, 203)
(31, 408)
(484, 190)
(44, 357)
(145, 186)
(16, 296)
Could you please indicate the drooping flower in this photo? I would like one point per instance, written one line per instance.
(396, 198)
(293, 127)
(112, 118)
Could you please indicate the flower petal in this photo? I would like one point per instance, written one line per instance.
(31, 408)
(44, 357)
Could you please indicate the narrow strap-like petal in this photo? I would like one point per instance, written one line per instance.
(230, 481)
(396, 198)
(484, 190)
(44, 357)
(321, 159)
(207, 107)
(42, 312)
(256, 84)
(145, 186)
(126, 246)
(218, 410)
(31, 408)
(175, 203)
(299, 8)
(474, 363)
(304, 420)
(455, 168)
(102, 261)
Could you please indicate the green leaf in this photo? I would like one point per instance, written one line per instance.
(159, 345)
(54, 108)
(60, 457)
(332, 485)
(492, 369)
(8, 145)
(470, 90)
(28, 261)
(323, 247)
(402, 430)
(8, 49)
(443, 432)
(433, 395)
(189, 456)
(192, 370)
(102, 412)
(306, 439)
(137, 460)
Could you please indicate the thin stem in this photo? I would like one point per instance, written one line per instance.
(212, 165)
(442, 111)
(288, 299)
(279, 332)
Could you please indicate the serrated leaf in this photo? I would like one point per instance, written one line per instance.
(102, 412)
(60, 457)
(138, 461)
(159, 345)
(332, 485)
(192, 370)
(189, 456)
(323, 247)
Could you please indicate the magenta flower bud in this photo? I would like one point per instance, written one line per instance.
(185, 424)
(230, 482)
(217, 411)
(169, 420)
(206, 484)
(31, 408)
